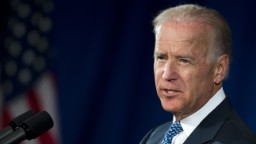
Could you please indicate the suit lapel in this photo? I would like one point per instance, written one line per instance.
(210, 126)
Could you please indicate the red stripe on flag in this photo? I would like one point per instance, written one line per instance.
(33, 101)
(46, 138)
(6, 117)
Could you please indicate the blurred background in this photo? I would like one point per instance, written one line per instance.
(90, 65)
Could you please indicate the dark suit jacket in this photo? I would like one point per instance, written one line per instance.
(221, 126)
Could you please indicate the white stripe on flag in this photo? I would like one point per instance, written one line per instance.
(46, 95)
(34, 141)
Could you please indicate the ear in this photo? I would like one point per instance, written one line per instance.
(221, 69)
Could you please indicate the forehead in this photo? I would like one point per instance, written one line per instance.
(185, 30)
(189, 35)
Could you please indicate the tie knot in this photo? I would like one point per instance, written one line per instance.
(174, 129)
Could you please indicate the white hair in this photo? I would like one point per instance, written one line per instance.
(221, 41)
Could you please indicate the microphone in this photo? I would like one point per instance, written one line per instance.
(29, 129)
(14, 124)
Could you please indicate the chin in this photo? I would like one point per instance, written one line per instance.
(170, 105)
(170, 108)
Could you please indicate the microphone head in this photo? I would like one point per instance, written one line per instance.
(14, 124)
(37, 125)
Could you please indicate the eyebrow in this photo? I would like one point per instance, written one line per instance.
(192, 59)
(157, 53)
(189, 57)
(185, 56)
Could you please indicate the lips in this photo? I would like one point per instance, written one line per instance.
(170, 92)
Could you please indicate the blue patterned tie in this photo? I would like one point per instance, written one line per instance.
(172, 131)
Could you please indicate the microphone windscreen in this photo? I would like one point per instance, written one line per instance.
(19, 119)
(37, 124)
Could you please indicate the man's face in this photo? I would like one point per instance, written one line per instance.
(183, 73)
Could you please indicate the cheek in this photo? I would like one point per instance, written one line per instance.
(200, 75)
(188, 78)
(157, 74)
(193, 82)
(198, 84)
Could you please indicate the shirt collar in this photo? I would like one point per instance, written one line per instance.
(191, 122)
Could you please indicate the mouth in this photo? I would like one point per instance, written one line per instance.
(170, 92)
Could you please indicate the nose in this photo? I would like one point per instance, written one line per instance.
(170, 72)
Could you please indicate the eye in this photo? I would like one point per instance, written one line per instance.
(160, 57)
(184, 61)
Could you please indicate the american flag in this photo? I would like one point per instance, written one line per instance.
(27, 81)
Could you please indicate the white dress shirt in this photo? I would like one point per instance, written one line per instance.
(191, 122)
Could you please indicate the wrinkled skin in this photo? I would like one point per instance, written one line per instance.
(185, 78)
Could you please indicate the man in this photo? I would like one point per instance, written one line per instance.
(192, 56)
